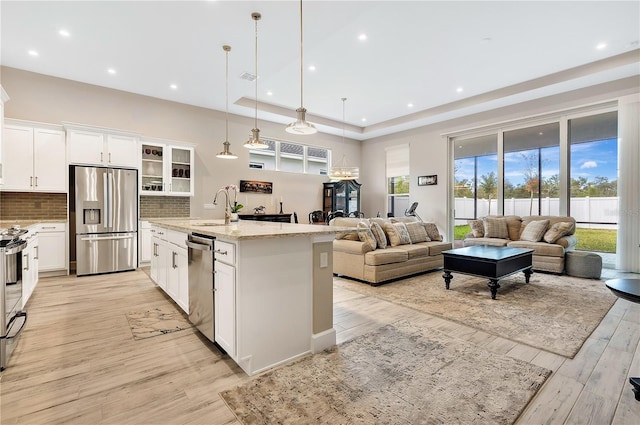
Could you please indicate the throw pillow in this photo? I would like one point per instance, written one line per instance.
(397, 234)
(495, 228)
(557, 231)
(534, 231)
(432, 231)
(366, 235)
(476, 228)
(378, 233)
(417, 232)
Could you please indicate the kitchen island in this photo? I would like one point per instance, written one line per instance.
(277, 300)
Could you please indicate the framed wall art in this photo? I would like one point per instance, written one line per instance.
(256, 186)
(427, 180)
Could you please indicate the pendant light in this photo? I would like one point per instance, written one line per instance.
(343, 171)
(254, 141)
(226, 154)
(301, 126)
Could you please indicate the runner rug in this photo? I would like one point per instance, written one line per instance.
(399, 374)
(156, 321)
(551, 312)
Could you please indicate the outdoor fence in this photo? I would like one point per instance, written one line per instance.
(602, 212)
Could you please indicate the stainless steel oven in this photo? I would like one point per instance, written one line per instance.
(12, 317)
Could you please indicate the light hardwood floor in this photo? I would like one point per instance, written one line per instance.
(77, 362)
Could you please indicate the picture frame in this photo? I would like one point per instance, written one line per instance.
(428, 180)
(256, 186)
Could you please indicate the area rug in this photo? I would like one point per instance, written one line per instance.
(399, 374)
(553, 313)
(154, 322)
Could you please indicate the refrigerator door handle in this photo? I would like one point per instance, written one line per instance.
(105, 238)
(110, 205)
(105, 194)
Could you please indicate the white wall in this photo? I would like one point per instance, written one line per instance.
(429, 152)
(41, 98)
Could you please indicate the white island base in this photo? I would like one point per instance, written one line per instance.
(275, 300)
(273, 289)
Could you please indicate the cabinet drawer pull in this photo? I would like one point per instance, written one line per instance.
(31, 181)
(48, 227)
(36, 181)
(219, 251)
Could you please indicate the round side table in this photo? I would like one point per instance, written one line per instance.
(628, 289)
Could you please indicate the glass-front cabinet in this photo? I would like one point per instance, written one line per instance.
(341, 196)
(166, 170)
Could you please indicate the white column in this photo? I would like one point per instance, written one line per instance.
(628, 245)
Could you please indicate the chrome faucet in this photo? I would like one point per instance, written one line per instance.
(227, 210)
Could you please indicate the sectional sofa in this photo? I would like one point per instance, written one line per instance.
(390, 255)
(549, 236)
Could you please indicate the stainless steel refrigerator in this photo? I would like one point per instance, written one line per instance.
(106, 219)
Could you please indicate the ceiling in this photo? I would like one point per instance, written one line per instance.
(447, 59)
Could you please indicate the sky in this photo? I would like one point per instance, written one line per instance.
(588, 160)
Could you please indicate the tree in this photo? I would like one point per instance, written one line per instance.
(531, 176)
(488, 187)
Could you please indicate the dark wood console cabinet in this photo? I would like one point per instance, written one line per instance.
(280, 218)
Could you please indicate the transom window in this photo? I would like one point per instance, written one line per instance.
(290, 157)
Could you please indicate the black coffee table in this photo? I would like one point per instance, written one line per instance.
(628, 289)
(492, 262)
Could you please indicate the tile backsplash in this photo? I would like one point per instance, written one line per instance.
(164, 206)
(53, 206)
(33, 206)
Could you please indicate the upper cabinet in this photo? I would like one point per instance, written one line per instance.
(3, 98)
(33, 159)
(166, 169)
(105, 148)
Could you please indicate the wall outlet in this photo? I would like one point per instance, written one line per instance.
(324, 260)
(209, 207)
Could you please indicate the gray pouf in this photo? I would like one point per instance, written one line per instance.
(583, 264)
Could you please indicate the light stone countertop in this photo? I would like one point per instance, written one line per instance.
(248, 229)
(6, 224)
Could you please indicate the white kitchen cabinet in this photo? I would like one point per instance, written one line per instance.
(34, 159)
(169, 266)
(225, 307)
(102, 148)
(52, 255)
(166, 169)
(30, 265)
(145, 243)
(3, 98)
(225, 296)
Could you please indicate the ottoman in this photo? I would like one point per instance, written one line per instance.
(583, 264)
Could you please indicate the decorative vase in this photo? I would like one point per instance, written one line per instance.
(234, 216)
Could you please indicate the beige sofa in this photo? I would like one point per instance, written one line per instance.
(355, 258)
(548, 254)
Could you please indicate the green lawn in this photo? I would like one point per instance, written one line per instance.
(598, 240)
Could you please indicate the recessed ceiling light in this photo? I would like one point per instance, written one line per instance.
(409, 105)
(64, 33)
(33, 53)
(362, 37)
(173, 87)
(364, 120)
(601, 46)
(111, 71)
(312, 67)
(269, 93)
(459, 89)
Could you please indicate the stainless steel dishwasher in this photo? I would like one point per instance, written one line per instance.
(201, 283)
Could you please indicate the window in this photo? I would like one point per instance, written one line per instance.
(398, 180)
(593, 187)
(290, 157)
(531, 170)
(475, 177)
